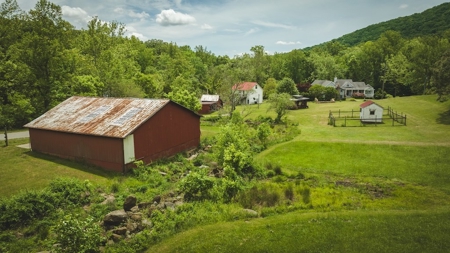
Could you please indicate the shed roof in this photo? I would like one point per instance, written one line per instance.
(112, 117)
(209, 98)
(369, 102)
(244, 86)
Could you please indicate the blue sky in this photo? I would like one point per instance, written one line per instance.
(232, 27)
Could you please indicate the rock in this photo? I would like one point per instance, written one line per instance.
(109, 199)
(132, 227)
(192, 157)
(250, 212)
(144, 205)
(116, 237)
(150, 210)
(129, 203)
(136, 216)
(115, 217)
(120, 231)
(169, 205)
(157, 199)
(147, 223)
(135, 209)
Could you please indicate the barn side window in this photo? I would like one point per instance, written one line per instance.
(372, 111)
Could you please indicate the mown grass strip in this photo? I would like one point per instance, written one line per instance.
(390, 231)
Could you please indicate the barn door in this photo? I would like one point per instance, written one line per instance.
(128, 149)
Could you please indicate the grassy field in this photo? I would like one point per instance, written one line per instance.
(372, 189)
(401, 231)
(21, 169)
(415, 158)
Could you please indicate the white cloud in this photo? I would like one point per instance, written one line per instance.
(404, 6)
(131, 13)
(206, 27)
(171, 17)
(253, 30)
(76, 13)
(288, 43)
(269, 24)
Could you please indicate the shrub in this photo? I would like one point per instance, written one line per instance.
(196, 185)
(289, 192)
(74, 234)
(358, 95)
(25, 206)
(265, 195)
(70, 191)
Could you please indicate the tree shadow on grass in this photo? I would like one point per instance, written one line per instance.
(444, 118)
(71, 164)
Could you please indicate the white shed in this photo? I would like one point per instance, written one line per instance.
(371, 112)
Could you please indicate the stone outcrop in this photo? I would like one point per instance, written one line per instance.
(133, 218)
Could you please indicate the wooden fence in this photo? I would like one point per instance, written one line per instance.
(400, 118)
(352, 118)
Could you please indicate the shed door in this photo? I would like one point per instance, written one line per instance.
(128, 149)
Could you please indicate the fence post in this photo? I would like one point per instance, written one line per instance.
(352, 112)
(345, 121)
(339, 113)
(405, 120)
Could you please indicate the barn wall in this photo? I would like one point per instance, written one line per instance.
(104, 152)
(171, 130)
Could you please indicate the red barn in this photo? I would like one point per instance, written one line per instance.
(112, 133)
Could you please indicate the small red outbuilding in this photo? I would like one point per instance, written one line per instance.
(112, 133)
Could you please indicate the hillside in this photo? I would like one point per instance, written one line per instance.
(433, 21)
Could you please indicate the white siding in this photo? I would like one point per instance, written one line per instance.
(128, 149)
(372, 113)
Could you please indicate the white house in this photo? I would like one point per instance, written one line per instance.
(346, 87)
(371, 112)
(250, 92)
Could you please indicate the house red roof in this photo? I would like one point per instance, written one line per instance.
(367, 103)
(244, 86)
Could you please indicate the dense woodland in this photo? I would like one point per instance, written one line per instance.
(45, 60)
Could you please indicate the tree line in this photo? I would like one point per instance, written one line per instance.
(44, 60)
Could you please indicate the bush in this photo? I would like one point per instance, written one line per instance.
(74, 234)
(358, 95)
(196, 186)
(71, 191)
(25, 206)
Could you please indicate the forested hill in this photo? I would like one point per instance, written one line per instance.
(430, 22)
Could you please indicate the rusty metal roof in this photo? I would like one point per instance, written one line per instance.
(112, 117)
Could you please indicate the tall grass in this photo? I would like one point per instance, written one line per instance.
(427, 165)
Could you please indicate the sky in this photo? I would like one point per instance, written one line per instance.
(233, 27)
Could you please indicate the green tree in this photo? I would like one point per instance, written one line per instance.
(232, 151)
(441, 77)
(317, 91)
(185, 98)
(280, 103)
(260, 64)
(270, 87)
(288, 86)
(264, 131)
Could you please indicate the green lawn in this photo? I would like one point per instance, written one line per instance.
(400, 231)
(22, 169)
